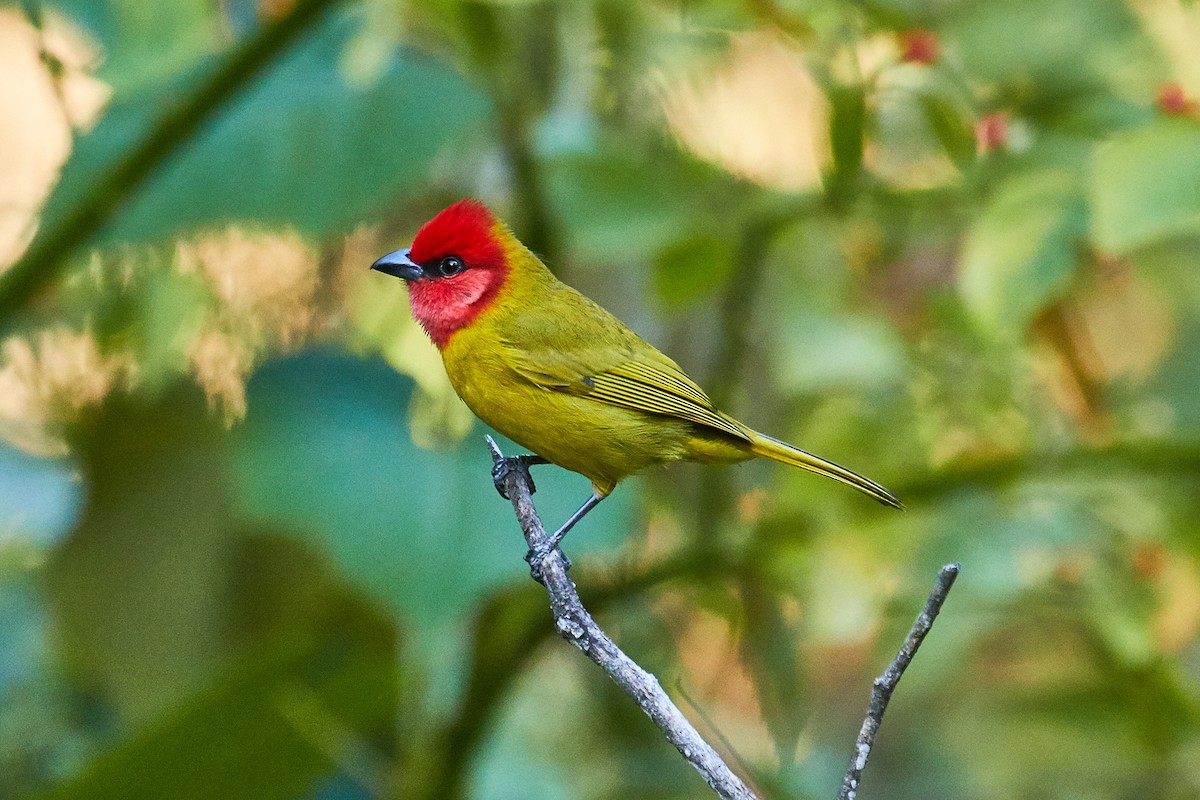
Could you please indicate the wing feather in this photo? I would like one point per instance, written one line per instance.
(636, 383)
(606, 362)
(660, 394)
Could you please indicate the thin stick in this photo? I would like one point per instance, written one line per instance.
(885, 684)
(576, 625)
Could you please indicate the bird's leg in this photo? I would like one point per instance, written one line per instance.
(503, 466)
(535, 557)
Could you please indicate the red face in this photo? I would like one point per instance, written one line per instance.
(462, 268)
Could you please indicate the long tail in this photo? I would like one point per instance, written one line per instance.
(784, 453)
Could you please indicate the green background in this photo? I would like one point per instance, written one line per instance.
(249, 546)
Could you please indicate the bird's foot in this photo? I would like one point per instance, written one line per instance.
(535, 557)
(521, 464)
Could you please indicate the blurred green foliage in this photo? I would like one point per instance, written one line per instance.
(248, 542)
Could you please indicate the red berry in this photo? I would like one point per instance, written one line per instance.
(1173, 101)
(991, 132)
(919, 46)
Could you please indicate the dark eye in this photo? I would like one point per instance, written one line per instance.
(450, 265)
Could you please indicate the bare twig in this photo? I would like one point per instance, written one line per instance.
(885, 684)
(576, 625)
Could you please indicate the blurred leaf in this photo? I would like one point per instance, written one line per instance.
(1120, 614)
(325, 451)
(533, 754)
(138, 588)
(160, 589)
(208, 626)
(768, 645)
(1020, 252)
(821, 352)
(920, 130)
(621, 205)
(506, 631)
(1174, 386)
(310, 146)
(953, 132)
(1035, 45)
(1063, 703)
(1009, 541)
(705, 15)
(1146, 186)
(271, 727)
(693, 267)
(144, 46)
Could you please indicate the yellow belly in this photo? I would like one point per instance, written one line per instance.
(603, 442)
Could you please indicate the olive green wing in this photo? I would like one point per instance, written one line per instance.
(603, 360)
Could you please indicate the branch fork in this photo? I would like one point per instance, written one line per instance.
(576, 625)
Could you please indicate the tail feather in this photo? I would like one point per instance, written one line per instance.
(784, 453)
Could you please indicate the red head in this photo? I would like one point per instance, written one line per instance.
(455, 268)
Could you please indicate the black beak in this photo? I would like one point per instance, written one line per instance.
(399, 265)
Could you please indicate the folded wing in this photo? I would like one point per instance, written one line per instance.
(625, 376)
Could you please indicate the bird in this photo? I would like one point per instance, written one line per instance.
(558, 374)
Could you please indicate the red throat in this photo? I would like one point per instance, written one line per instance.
(446, 305)
(443, 306)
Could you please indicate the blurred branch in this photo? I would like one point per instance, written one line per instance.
(1161, 457)
(536, 226)
(178, 123)
(738, 303)
(508, 630)
(577, 626)
(515, 63)
(886, 683)
(737, 306)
